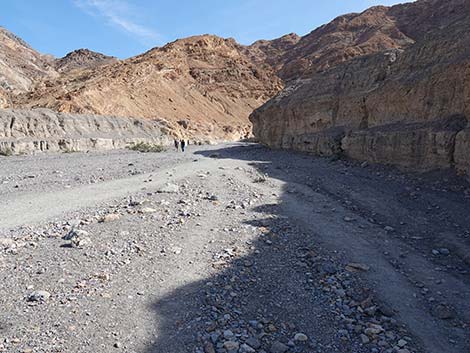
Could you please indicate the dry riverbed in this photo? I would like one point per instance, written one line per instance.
(230, 248)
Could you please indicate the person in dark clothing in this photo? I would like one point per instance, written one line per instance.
(183, 145)
(177, 145)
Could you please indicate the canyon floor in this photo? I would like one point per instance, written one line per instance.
(230, 248)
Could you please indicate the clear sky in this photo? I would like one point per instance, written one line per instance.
(124, 28)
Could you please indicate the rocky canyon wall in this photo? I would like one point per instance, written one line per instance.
(407, 106)
(26, 131)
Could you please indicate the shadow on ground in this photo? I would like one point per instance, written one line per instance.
(295, 280)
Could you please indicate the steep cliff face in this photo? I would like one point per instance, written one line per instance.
(204, 86)
(401, 106)
(47, 131)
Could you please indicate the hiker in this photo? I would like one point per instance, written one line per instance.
(177, 145)
(183, 145)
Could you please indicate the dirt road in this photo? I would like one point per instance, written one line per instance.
(231, 248)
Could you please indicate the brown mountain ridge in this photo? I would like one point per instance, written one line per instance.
(205, 86)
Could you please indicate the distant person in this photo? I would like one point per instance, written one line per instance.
(177, 145)
(183, 145)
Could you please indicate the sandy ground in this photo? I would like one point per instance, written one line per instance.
(230, 248)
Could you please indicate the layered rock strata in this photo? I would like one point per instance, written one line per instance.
(406, 106)
(43, 130)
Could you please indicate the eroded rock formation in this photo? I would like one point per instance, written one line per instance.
(82, 59)
(20, 65)
(206, 80)
(407, 105)
(44, 130)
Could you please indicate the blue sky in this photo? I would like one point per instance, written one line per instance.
(124, 28)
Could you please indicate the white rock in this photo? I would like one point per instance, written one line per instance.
(39, 296)
(300, 337)
(109, 218)
(148, 210)
(6, 243)
(169, 189)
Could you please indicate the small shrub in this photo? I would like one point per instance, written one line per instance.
(69, 150)
(6, 152)
(146, 148)
(261, 178)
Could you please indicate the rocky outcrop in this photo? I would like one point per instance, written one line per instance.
(343, 39)
(405, 106)
(4, 99)
(206, 80)
(272, 52)
(46, 131)
(82, 59)
(20, 65)
(415, 146)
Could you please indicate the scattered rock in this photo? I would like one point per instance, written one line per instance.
(444, 251)
(209, 348)
(443, 312)
(112, 217)
(278, 347)
(329, 268)
(244, 348)
(373, 330)
(231, 345)
(78, 238)
(176, 250)
(354, 267)
(148, 210)
(253, 342)
(39, 296)
(300, 337)
(6, 243)
(402, 343)
(169, 188)
(364, 339)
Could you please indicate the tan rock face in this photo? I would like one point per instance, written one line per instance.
(344, 38)
(20, 65)
(272, 52)
(205, 80)
(4, 99)
(397, 106)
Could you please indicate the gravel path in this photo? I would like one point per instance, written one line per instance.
(231, 248)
